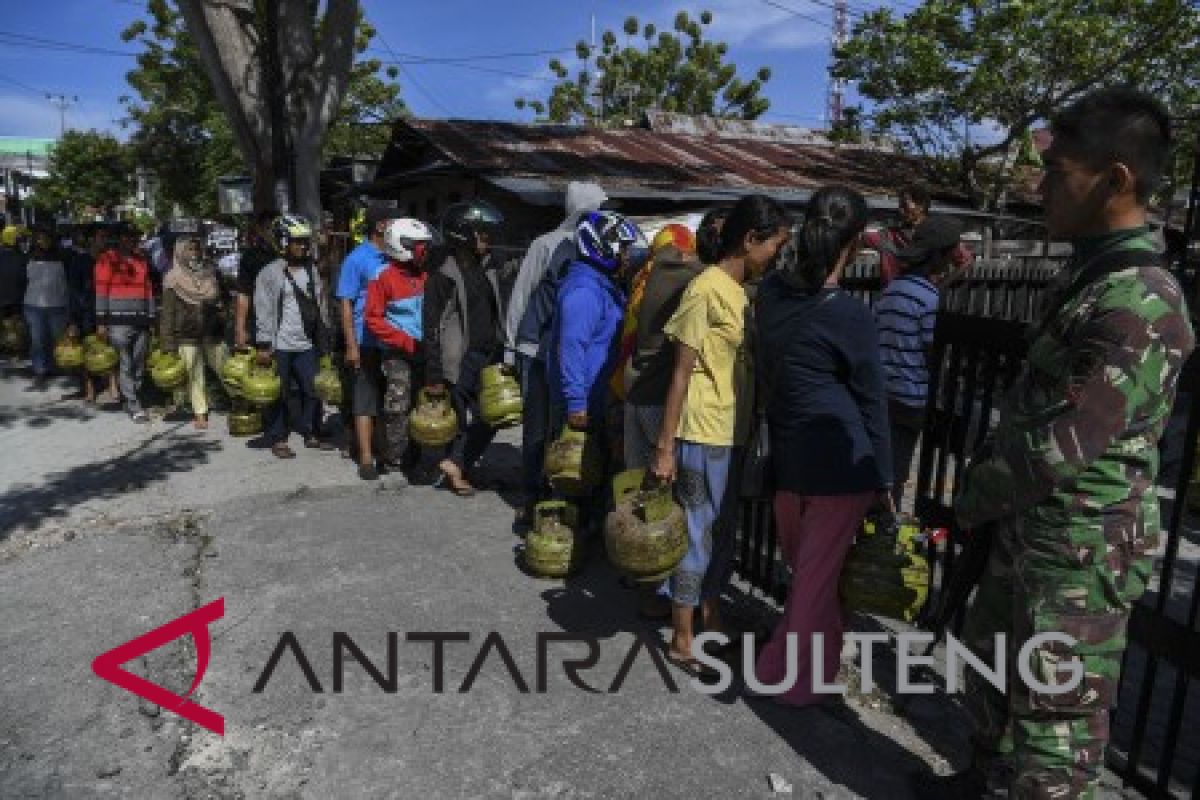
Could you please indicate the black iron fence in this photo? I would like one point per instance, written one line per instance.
(979, 349)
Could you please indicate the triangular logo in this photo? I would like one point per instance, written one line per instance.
(109, 666)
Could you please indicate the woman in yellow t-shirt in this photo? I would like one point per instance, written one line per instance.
(707, 412)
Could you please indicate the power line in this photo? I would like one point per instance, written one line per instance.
(474, 68)
(37, 42)
(793, 12)
(26, 87)
(414, 58)
(412, 78)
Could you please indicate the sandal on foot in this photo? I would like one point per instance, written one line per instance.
(448, 481)
(281, 450)
(689, 665)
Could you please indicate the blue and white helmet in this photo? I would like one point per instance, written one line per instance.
(601, 236)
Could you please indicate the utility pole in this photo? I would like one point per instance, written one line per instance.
(62, 102)
(837, 86)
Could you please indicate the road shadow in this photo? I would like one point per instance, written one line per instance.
(44, 416)
(28, 506)
(593, 602)
(834, 740)
(937, 719)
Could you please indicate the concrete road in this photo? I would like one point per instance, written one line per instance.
(108, 529)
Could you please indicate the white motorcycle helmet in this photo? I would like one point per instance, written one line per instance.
(406, 239)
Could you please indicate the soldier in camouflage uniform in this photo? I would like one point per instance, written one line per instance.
(1067, 479)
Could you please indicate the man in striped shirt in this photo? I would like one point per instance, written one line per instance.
(905, 315)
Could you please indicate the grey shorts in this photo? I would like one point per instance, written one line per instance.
(366, 393)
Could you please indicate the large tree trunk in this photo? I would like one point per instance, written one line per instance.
(315, 75)
(315, 71)
(229, 44)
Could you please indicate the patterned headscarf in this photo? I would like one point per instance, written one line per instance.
(191, 276)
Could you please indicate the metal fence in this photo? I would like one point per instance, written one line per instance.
(979, 349)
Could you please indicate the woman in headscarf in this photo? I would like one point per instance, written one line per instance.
(191, 323)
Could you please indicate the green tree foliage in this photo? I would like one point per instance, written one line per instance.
(951, 68)
(86, 169)
(182, 134)
(672, 71)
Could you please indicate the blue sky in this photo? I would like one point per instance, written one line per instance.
(794, 43)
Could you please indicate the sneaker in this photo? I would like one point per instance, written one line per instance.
(317, 443)
(140, 417)
(368, 472)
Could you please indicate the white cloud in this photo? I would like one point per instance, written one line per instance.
(752, 23)
(26, 115)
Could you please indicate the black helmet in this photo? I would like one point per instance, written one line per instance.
(461, 219)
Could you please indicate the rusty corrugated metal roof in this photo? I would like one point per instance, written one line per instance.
(675, 157)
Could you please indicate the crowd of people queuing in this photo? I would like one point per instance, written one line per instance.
(672, 354)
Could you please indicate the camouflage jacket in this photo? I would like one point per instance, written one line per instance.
(1077, 438)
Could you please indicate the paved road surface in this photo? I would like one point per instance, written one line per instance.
(108, 529)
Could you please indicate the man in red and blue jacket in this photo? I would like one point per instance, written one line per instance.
(392, 314)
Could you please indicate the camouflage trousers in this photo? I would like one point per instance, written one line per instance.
(397, 403)
(1050, 579)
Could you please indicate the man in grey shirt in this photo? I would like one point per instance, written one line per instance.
(290, 324)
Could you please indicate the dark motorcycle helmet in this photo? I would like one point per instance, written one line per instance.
(462, 220)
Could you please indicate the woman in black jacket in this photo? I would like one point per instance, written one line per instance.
(828, 427)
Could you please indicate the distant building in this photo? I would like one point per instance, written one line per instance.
(668, 164)
(22, 163)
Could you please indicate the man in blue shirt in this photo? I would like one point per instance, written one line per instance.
(905, 315)
(362, 352)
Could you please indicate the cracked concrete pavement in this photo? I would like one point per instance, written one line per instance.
(108, 529)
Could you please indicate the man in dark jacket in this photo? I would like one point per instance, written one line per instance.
(12, 273)
(257, 254)
(463, 329)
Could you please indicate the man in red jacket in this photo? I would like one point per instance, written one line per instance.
(914, 202)
(393, 315)
(124, 312)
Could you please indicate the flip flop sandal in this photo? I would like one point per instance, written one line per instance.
(443, 482)
(282, 451)
(690, 666)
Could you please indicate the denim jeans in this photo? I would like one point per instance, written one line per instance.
(46, 325)
(302, 367)
(132, 344)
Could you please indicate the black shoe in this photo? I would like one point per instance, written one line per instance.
(368, 472)
(260, 443)
(966, 785)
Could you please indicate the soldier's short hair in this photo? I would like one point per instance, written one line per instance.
(1119, 125)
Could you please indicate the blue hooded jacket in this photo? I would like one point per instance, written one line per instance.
(586, 339)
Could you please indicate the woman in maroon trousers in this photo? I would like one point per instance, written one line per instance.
(828, 428)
